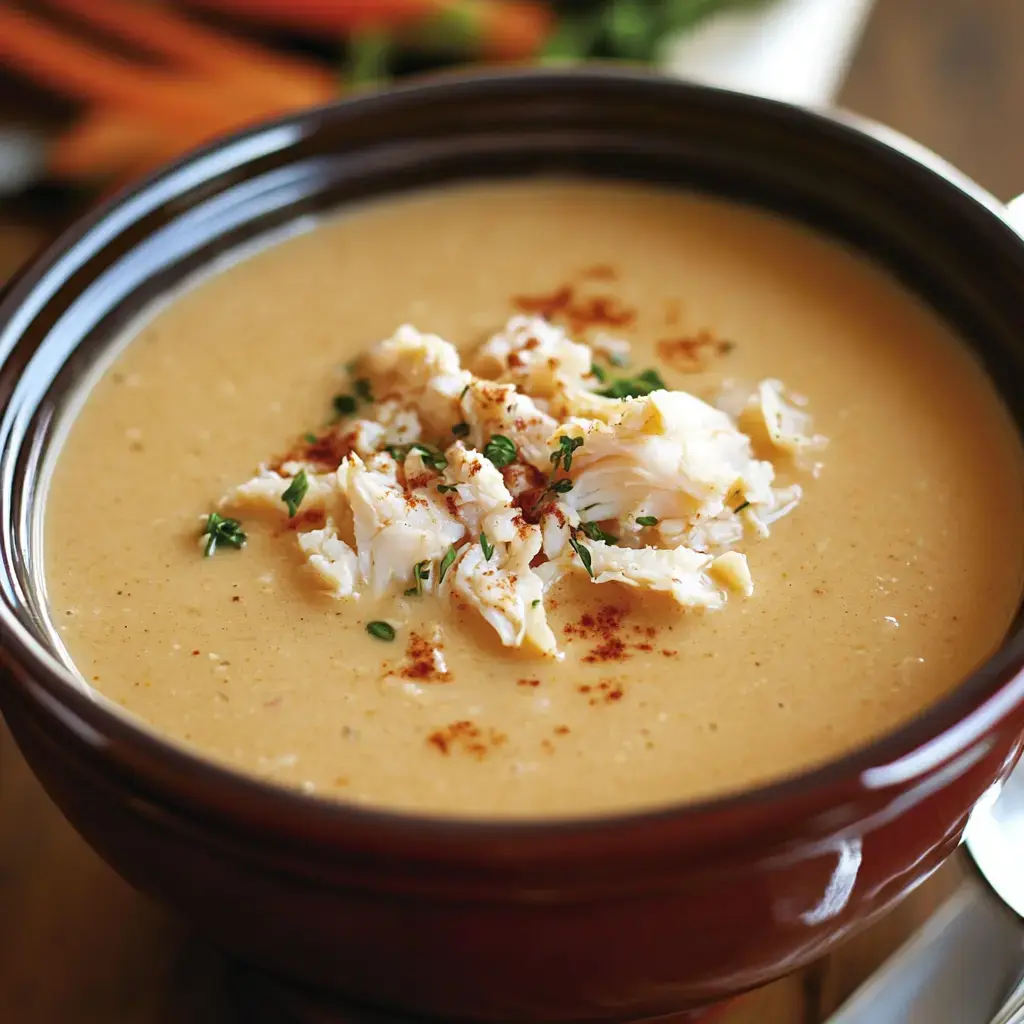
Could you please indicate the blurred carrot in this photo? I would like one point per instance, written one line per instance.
(504, 29)
(100, 144)
(168, 35)
(106, 143)
(172, 96)
(467, 28)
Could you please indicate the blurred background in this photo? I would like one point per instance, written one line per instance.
(96, 93)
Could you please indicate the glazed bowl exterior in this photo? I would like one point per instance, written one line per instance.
(606, 919)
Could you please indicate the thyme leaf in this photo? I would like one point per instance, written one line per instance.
(221, 530)
(295, 492)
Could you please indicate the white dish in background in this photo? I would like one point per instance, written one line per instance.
(792, 50)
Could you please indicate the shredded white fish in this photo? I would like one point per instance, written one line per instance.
(658, 492)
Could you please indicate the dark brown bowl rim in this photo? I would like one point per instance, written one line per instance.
(224, 796)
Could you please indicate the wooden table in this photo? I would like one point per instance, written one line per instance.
(77, 946)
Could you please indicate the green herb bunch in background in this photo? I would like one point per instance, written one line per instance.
(627, 30)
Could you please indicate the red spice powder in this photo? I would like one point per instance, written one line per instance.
(422, 663)
(532, 683)
(310, 519)
(579, 312)
(612, 649)
(608, 627)
(692, 352)
(466, 737)
(608, 691)
(325, 453)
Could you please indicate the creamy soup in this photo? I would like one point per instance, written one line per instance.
(897, 573)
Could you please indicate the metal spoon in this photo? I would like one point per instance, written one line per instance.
(960, 966)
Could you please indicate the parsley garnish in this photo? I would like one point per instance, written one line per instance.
(486, 546)
(310, 438)
(594, 532)
(634, 387)
(618, 359)
(446, 564)
(596, 371)
(563, 457)
(535, 602)
(463, 395)
(460, 429)
(363, 389)
(446, 488)
(740, 508)
(501, 450)
(295, 492)
(381, 630)
(420, 572)
(220, 530)
(345, 405)
(647, 520)
(584, 554)
(432, 457)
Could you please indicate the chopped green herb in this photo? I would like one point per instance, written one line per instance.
(363, 389)
(584, 554)
(594, 532)
(220, 530)
(501, 450)
(563, 457)
(562, 486)
(295, 492)
(618, 359)
(647, 520)
(535, 602)
(460, 429)
(420, 572)
(345, 405)
(596, 371)
(446, 564)
(486, 546)
(463, 394)
(635, 387)
(432, 457)
(740, 508)
(446, 488)
(381, 630)
(310, 438)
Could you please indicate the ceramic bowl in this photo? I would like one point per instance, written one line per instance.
(626, 917)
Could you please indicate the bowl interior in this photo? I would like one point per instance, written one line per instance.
(942, 236)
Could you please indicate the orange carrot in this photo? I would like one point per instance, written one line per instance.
(58, 62)
(513, 31)
(338, 16)
(100, 144)
(167, 34)
(508, 29)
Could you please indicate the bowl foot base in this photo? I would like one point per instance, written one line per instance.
(259, 999)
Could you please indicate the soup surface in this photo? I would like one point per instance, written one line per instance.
(896, 575)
